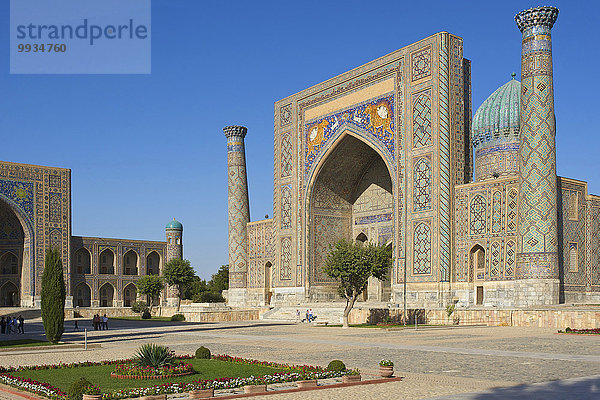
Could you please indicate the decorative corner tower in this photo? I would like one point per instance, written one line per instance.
(238, 214)
(537, 248)
(174, 232)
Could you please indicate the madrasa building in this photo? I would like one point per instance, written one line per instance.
(35, 215)
(389, 153)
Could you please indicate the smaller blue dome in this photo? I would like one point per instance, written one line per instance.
(174, 225)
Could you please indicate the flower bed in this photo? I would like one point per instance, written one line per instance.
(593, 331)
(293, 373)
(132, 371)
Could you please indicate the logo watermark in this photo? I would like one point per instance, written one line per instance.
(80, 37)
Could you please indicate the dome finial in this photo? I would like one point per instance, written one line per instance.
(513, 75)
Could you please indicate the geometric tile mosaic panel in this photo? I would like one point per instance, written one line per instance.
(495, 259)
(421, 63)
(54, 207)
(285, 115)
(286, 259)
(286, 206)
(511, 252)
(422, 185)
(422, 249)
(422, 120)
(496, 212)
(511, 214)
(477, 211)
(286, 155)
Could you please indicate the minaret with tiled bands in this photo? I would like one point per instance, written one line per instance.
(174, 233)
(238, 213)
(537, 253)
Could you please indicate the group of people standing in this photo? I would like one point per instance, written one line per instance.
(12, 324)
(100, 322)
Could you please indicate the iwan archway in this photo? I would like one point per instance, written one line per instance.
(350, 196)
(16, 252)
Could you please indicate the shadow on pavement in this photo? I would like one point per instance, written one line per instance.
(576, 388)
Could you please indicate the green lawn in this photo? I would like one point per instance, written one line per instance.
(100, 375)
(24, 343)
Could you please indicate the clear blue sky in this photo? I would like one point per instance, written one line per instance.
(144, 149)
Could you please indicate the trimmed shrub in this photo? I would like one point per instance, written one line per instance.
(568, 329)
(77, 389)
(146, 315)
(178, 317)
(203, 353)
(53, 296)
(336, 365)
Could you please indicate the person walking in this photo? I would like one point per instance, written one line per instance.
(105, 322)
(15, 325)
(21, 323)
(3, 325)
(8, 325)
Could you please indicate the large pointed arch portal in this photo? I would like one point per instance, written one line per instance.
(350, 194)
(16, 252)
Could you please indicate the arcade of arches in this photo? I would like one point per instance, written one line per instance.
(12, 239)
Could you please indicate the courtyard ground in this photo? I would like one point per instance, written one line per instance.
(450, 363)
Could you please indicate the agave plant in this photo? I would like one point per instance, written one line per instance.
(155, 356)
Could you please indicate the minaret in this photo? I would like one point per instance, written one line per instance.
(174, 232)
(238, 214)
(537, 248)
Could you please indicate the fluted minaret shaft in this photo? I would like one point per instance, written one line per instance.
(238, 206)
(537, 229)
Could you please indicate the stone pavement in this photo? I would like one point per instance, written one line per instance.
(434, 362)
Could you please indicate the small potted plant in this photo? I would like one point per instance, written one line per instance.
(307, 381)
(255, 386)
(386, 368)
(352, 375)
(92, 392)
(201, 391)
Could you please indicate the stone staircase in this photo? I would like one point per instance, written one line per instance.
(331, 313)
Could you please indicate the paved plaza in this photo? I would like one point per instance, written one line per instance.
(448, 363)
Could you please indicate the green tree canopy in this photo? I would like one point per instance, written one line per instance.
(352, 264)
(177, 273)
(150, 285)
(219, 281)
(53, 296)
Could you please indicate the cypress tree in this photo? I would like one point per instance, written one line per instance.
(53, 296)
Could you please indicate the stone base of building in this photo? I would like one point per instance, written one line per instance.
(237, 297)
(423, 295)
(536, 292)
(583, 297)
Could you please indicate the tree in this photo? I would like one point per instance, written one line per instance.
(151, 286)
(177, 273)
(53, 296)
(352, 264)
(219, 281)
(194, 288)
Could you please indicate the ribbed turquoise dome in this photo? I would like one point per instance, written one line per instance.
(174, 225)
(497, 120)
